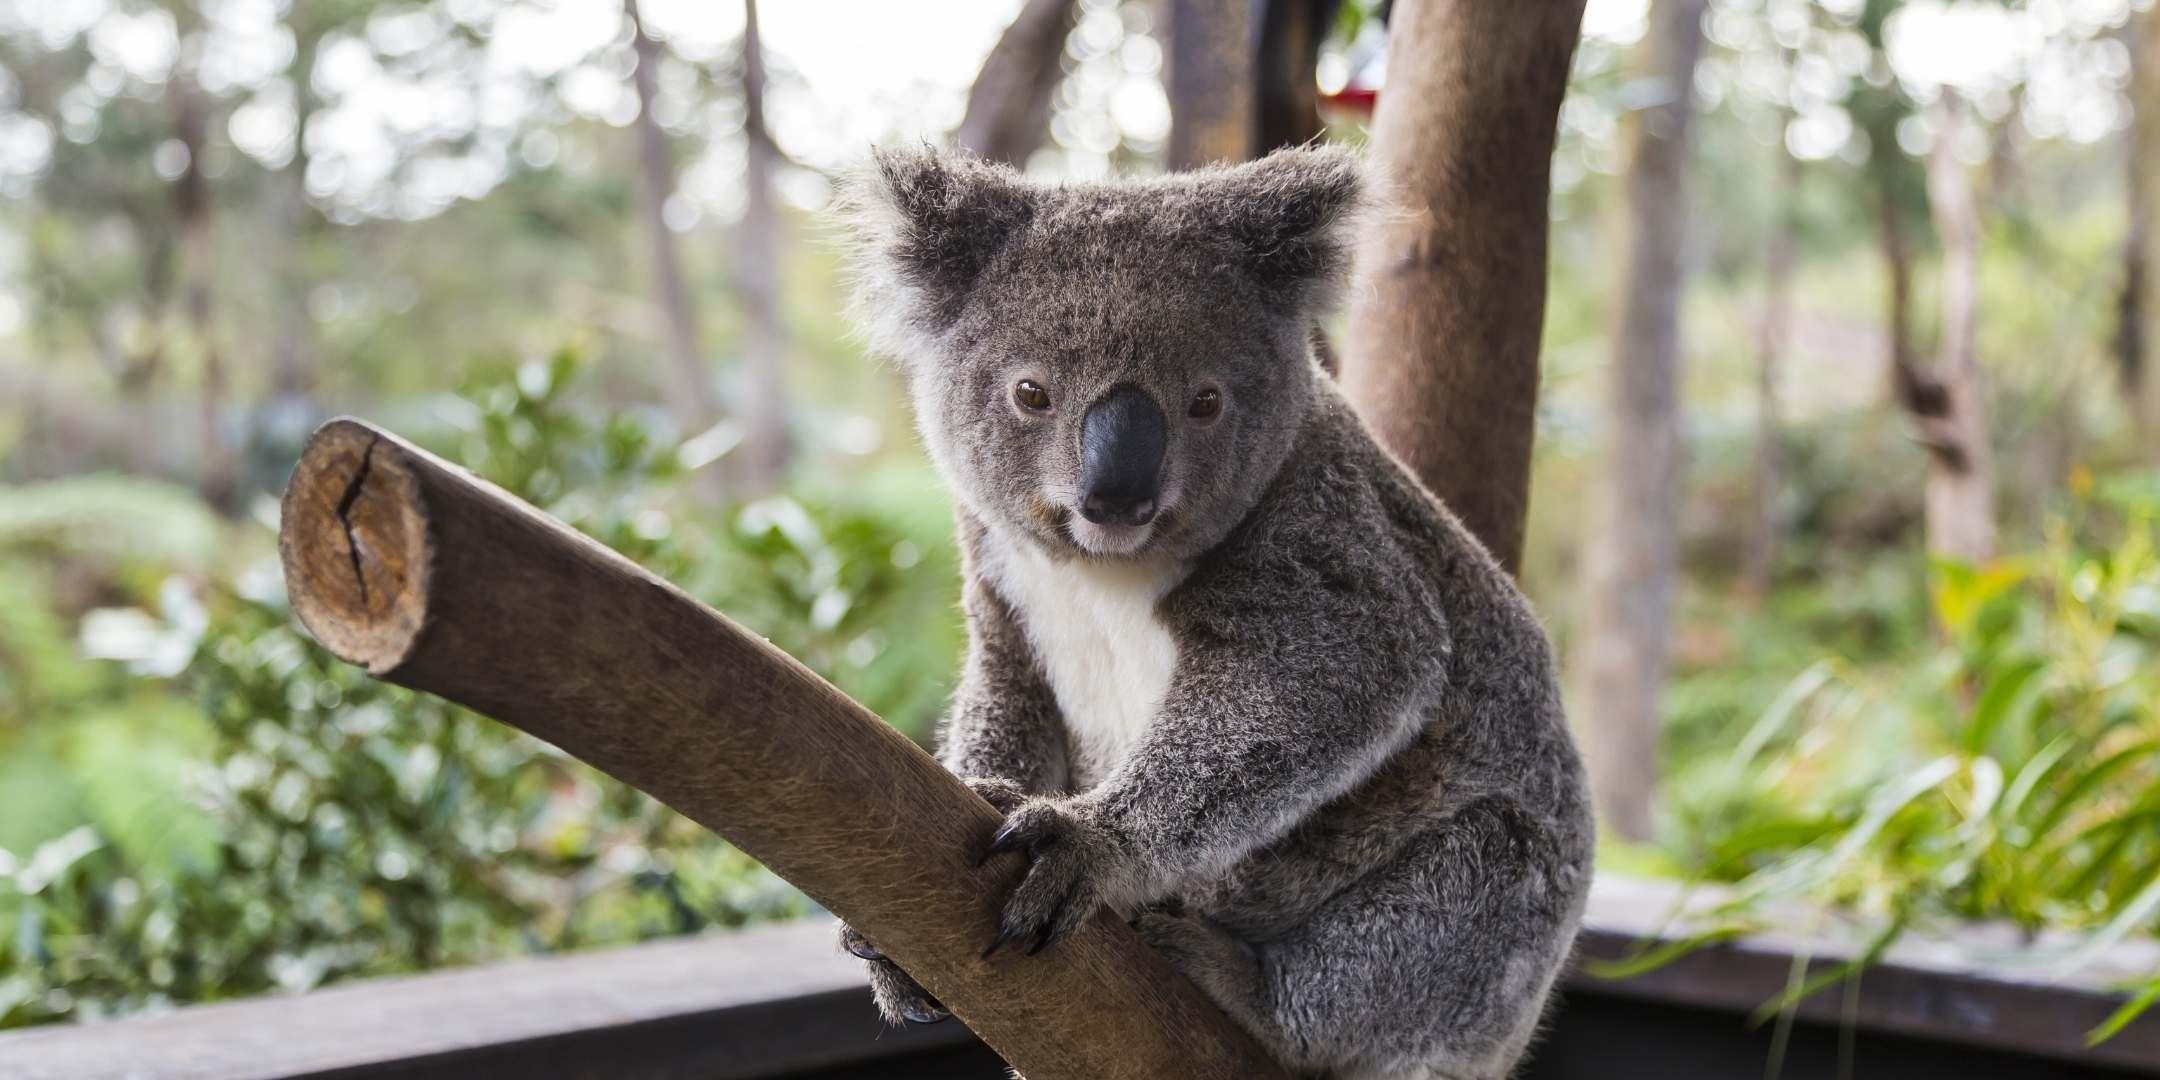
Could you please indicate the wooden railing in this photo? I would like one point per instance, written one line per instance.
(780, 1001)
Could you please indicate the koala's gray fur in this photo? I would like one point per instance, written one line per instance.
(1349, 808)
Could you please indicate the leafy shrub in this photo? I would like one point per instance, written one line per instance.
(2012, 774)
(258, 816)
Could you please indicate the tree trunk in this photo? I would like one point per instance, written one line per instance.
(1285, 86)
(218, 479)
(1776, 329)
(1442, 355)
(293, 380)
(1008, 108)
(696, 406)
(2136, 330)
(432, 579)
(1907, 377)
(289, 409)
(762, 457)
(1630, 555)
(1953, 423)
(1210, 82)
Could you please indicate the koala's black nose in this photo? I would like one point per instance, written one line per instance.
(1122, 437)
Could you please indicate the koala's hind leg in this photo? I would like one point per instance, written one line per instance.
(1433, 966)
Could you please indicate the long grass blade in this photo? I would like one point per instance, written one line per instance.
(2133, 915)
(1649, 959)
(2005, 690)
(2121, 1018)
(2074, 796)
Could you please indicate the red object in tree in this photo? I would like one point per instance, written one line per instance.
(1353, 99)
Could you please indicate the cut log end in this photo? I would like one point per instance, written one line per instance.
(354, 541)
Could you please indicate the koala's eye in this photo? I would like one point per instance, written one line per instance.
(1205, 405)
(1031, 396)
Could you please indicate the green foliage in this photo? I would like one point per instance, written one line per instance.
(112, 518)
(2011, 774)
(860, 584)
(199, 804)
(263, 817)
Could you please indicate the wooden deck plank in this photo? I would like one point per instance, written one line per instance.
(780, 999)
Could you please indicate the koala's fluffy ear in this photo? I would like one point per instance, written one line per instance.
(924, 225)
(1292, 215)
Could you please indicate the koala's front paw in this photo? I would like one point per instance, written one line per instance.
(1003, 795)
(1071, 865)
(900, 999)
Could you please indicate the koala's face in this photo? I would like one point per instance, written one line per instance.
(1115, 370)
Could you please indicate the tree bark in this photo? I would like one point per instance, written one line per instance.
(294, 372)
(1286, 87)
(435, 580)
(1907, 377)
(1210, 82)
(218, 479)
(1951, 409)
(762, 457)
(1776, 329)
(1630, 555)
(696, 406)
(1442, 354)
(1008, 107)
(2137, 327)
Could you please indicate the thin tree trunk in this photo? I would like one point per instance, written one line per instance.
(217, 481)
(1286, 87)
(1776, 330)
(2131, 302)
(1442, 354)
(1008, 108)
(2135, 332)
(696, 405)
(763, 454)
(1961, 464)
(294, 371)
(1908, 383)
(1630, 556)
(1210, 82)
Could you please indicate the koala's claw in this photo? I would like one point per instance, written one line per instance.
(927, 1010)
(1061, 887)
(898, 996)
(1015, 836)
(901, 999)
(856, 945)
(1032, 827)
(1003, 795)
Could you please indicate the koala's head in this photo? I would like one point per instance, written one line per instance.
(1113, 369)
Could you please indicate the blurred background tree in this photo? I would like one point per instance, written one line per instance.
(1843, 472)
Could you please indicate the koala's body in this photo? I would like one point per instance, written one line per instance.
(1232, 672)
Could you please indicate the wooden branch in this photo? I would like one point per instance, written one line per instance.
(1008, 107)
(1209, 77)
(436, 580)
(1286, 59)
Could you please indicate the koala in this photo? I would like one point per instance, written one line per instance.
(1232, 674)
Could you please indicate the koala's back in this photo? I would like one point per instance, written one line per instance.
(1345, 516)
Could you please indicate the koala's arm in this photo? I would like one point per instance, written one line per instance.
(1004, 722)
(1295, 681)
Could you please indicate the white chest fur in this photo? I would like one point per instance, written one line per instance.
(1094, 630)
